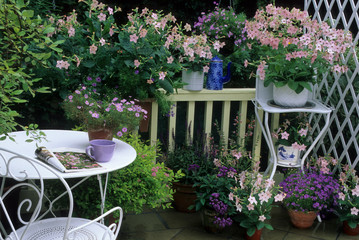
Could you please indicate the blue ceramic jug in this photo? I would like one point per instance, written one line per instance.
(215, 79)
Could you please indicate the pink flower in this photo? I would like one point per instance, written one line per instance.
(102, 41)
(354, 211)
(143, 33)
(355, 191)
(245, 63)
(149, 81)
(285, 135)
(102, 17)
(136, 63)
(170, 59)
(187, 27)
(110, 11)
(71, 31)
(252, 200)
(162, 75)
(250, 207)
(264, 196)
(279, 197)
(205, 69)
(303, 132)
(341, 196)
(133, 38)
(93, 49)
(262, 218)
(111, 32)
(62, 64)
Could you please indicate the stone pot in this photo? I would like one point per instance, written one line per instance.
(208, 218)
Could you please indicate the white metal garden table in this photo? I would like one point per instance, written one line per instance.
(124, 155)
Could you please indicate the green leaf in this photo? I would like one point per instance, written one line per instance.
(28, 13)
(88, 64)
(166, 85)
(49, 29)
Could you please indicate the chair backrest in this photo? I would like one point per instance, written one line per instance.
(21, 172)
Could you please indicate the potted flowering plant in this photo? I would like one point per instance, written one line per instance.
(291, 138)
(213, 189)
(295, 50)
(102, 114)
(253, 196)
(348, 207)
(307, 193)
(192, 161)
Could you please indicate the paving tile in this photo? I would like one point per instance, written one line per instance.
(175, 219)
(201, 234)
(142, 222)
(292, 236)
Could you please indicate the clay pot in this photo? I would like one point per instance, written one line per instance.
(256, 236)
(302, 220)
(184, 197)
(102, 133)
(350, 231)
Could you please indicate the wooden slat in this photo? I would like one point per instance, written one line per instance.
(208, 112)
(242, 120)
(172, 128)
(226, 110)
(154, 123)
(257, 138)
(190, 121)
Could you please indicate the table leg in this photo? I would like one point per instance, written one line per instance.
(102, 192)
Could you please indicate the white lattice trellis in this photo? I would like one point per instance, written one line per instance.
(340, 91)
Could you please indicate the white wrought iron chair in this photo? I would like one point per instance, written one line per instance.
(32, 214)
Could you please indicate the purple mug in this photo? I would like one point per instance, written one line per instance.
(101, 150)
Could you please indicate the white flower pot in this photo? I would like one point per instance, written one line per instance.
(286, 97)
(194, 80)
(286, 155)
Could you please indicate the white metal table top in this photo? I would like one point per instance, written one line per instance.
(124, 154)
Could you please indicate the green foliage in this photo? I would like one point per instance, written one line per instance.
(144, 182)
(24, 45)
(35, 134)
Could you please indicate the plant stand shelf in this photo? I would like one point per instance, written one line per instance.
(262, 101)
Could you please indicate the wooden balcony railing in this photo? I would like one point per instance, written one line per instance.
(226, 96)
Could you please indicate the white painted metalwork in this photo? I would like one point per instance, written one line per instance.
(340, 91)
(264, 95)
(30, 211)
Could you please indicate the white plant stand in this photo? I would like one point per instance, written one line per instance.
(262, 101)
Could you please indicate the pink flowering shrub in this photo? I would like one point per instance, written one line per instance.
(87, 43)
(348, 208)
(293, 132)
(253, 196)
(94, 111)
(295, 49)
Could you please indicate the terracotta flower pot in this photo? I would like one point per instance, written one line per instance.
(350, 231)
(184, 197)
(302, 220)
(102, 133)
(256, 236)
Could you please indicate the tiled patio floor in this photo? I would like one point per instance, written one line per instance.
(173, 225)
